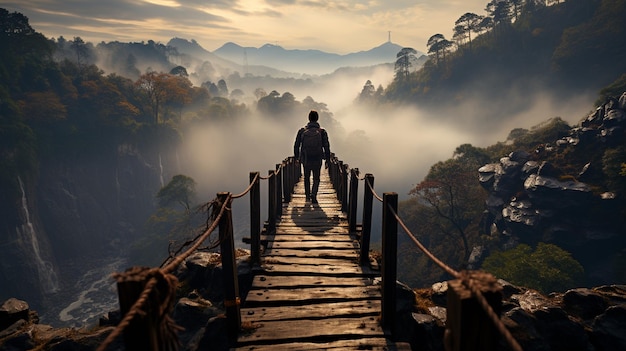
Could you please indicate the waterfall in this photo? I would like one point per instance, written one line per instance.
(28, 238)
(161, 171)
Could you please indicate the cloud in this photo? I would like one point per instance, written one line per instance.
(340, 26)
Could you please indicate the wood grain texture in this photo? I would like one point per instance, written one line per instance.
(310, 292)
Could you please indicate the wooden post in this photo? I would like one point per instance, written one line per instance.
(389, 264)
(468, 328)
(255, 219)
(229, 266)
(286, 180)
(271, 201)
(279, 193)
(354, 195)
(343, 192)
(368, 197)
(141, 332)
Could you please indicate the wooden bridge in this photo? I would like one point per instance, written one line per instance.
(316, 286)
(311, 291)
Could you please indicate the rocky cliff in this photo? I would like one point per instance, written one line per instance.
(74, 209)
(533, 198)
(576, 320)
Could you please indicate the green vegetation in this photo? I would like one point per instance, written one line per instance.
(519, 46)
(445, 210)
(174, 222)
(58, 107)
(548, 268)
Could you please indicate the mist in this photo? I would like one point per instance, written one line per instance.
(397, 145)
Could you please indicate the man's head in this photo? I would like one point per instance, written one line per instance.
(313, 116)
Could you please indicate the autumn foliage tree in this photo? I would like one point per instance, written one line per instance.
(161, 89)
(453, 199)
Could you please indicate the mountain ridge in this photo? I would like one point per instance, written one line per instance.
(315, 61)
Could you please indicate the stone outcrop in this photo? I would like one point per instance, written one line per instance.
(530, 200)
(78, 208)
(578, 319)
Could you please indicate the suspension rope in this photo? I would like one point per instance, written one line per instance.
(164, 274)
(468, 281)
(471, 285)
(256, 177)
(443, 266)
(179, 259)
(369, 185)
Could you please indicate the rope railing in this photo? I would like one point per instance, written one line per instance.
(468, 281)
(466, 278)
(150, 292)
(371, 188)
(245, 192)
(154, 300)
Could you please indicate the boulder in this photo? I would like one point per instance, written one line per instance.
(584, 303)
(11, 311)
(608, 329)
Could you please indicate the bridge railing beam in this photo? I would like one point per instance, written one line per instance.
(368, 199)
(271, 201)
(279, 192)
(229, 265)
(353, 198)
(255, 218)
(389, 262)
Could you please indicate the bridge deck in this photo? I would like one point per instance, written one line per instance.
(311, 292)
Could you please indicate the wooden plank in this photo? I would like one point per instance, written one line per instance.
(312, 311)
(264, 282)
(309, 330)
(313, 270)
(314, 245)
(375, 344)
(299, 236)
(349, 254)
(299, 296)
(337, 261)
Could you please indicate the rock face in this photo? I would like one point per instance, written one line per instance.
(530, 200)
(579, 319)
(84, 207)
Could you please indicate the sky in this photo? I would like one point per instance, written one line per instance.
(334, 26)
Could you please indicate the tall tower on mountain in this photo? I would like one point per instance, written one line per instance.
(389, 37)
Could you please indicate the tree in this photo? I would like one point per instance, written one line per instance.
(222, 88)
(433, 47)
(404, 60)
(180, 190)
(500, 12)
(368, 91)
(548, 268)
(259, 93)
(80, 49)
(179, 71)
(439, 45)
(151, 83)
(468, 23)
(162, 89)
(453, 195)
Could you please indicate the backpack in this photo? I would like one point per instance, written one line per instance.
(312, 144)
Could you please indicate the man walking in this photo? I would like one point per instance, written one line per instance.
(311, 147)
